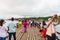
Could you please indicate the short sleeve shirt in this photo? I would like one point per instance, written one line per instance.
(3, 31)
(12, 27)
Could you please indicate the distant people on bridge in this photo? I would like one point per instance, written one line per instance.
(3, 30)
(25, 25)
(36, 24)
(28, 23)
(32, 23)
(12, 29)
(19, 24)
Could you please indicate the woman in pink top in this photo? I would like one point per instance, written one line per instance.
(28, 24)
(50, 29)
(25, 25)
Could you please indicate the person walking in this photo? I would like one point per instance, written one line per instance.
(3, 30)
(19, 24)
(28, 24)
(25, 25)
(12, 29)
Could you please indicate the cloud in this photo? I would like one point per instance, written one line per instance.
(29, 7)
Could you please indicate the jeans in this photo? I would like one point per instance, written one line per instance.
(2, 38)
(12, 34)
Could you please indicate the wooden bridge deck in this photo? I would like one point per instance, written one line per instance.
(32, 34)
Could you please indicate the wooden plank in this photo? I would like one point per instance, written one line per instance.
(32, 34)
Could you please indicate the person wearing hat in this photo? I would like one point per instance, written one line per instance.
(51, 32)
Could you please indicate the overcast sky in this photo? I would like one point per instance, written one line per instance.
(16, 8)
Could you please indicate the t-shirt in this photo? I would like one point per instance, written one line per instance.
(19, 24)
(25, 24)
(3, 32)
(32, 21)
(12, 27)
(44, 32)
(45, 26)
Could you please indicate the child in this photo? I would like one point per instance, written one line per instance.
(44, 26)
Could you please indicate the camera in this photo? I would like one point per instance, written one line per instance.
(55, 15)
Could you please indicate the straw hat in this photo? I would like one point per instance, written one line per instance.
(49, 19)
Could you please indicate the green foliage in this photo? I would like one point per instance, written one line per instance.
(35, 18)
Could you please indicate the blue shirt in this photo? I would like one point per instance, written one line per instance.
(12, 27)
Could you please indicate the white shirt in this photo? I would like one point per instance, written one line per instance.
(50, 29)
(3, 31)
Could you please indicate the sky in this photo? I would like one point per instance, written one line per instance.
(29, 8)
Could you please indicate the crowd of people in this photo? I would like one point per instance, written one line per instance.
(7, 31)
(49, 30)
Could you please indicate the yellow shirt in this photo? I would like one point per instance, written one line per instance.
(19, 24)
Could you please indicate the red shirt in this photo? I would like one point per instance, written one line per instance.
(44, 32)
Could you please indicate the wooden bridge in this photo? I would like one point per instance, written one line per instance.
(31, 34)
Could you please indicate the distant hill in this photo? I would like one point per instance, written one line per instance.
(35, 18)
